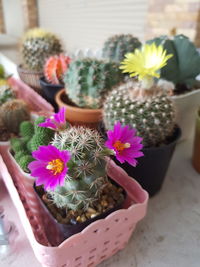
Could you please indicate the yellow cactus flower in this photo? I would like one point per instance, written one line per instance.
(37, 33)
(145, 63)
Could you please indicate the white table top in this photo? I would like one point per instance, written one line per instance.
(169, 236)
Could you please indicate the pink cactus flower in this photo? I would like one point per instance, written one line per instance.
(56, 121)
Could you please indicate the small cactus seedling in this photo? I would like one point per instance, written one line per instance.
(38, 45)
(13, 113)
(55, 67)
(144, 105)
(88, 80)
(117, 46)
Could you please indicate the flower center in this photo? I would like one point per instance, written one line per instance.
(119, 146)
(56, 166)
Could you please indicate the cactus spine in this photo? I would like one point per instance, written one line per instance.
(86, 176)
(37, 46)
(88, 80)
(117, 46)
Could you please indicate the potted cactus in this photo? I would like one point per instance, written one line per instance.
(182, 70)
(52, 82)
(196, 145)
(70, 172)
(87, 81)
(146, 106)
(36, 46)
(115, 47)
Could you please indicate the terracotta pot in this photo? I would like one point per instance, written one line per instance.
(196, 147)
(78, 116)
(32, 78)
(186, 107)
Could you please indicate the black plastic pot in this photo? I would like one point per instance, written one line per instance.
(57, 232)
(152, 167)
(50, 91)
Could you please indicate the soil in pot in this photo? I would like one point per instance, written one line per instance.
(152, 167)
(60, 224)
(50, 90)
(79, 116)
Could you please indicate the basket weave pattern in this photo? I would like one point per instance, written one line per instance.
(97, 242)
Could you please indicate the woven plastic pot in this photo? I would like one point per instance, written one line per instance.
(50, 90)
(78, 116)
(196, 146)
(98, 241)
(186, 108)
(152, 167)
(32, 78)
(58, 232)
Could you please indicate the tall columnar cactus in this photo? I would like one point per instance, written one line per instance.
(37, 46)
(88, 80)
(55, 67)
(144, 105)
(117, 46)
(184, 66)
(86, 175)
(13, 113)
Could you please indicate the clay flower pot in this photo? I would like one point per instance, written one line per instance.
(32, 78)
(50, 90)
(196, 146)
(186, 107)
(78, 116)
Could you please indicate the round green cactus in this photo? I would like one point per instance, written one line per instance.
(13, 113)
(153, 116)
(24, 161)
(26, 129)
(184, 66)
(86, 175)
(88, 80)
(37, 46)
(117, 46)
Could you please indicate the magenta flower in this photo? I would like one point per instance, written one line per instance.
(126, 145)
(50, 166)
(56, 121)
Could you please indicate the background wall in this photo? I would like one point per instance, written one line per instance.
(183, 15)
(87, 23)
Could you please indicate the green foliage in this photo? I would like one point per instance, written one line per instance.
(86, 176)
(37, 46)
(87, 81)
(24, 161)
(13, 113)
(26, 129)
(18, 144)
(184, 66)
(2, 72)
(117, 46)
(153, 117)
(6, 93)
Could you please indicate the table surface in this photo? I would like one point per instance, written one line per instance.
(168, 236)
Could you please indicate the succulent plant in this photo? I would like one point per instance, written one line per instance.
(143, 104)
(31, 137)
(86, 176)
(13, 113)
(184, 66)
(55, 67)
(38, 45)
(6, 92)
(117, 46)
(88, 80)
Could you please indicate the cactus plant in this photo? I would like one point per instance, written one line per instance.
(6, 92)
(117, 46)
(13, 113)
(143, 104)
(55, 67)
(184, 66)
(37, 45)
(88, 80)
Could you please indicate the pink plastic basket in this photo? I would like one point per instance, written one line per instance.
(110, 234)
(33, 99)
